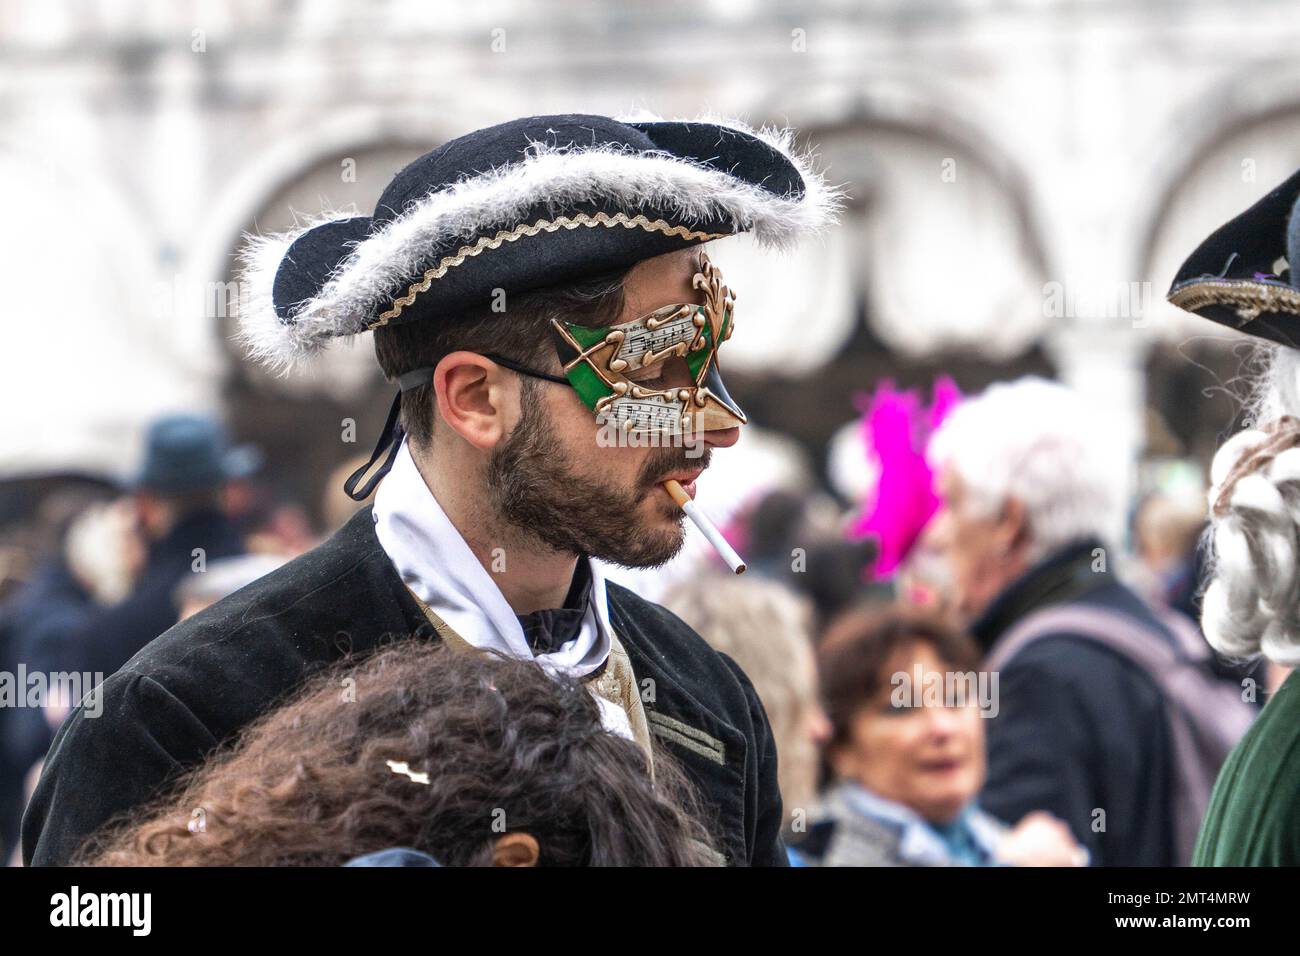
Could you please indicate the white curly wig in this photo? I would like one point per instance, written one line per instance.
(1252, 603)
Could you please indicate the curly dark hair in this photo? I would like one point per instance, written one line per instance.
(506, 748)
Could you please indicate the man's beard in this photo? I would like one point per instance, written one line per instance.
(535, 491)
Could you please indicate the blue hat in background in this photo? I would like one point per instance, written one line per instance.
(188, 453)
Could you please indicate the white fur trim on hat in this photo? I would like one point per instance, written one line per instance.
(381, 266)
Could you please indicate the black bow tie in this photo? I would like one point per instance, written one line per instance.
(550, 629)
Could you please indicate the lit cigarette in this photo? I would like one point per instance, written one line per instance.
(701, 521)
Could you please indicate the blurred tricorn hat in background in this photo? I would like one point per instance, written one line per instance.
(1244, 275)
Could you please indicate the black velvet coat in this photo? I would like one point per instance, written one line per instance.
(203, 680)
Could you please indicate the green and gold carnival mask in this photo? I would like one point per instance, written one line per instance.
(658, 373)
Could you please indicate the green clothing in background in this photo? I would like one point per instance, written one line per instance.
(1254, 813)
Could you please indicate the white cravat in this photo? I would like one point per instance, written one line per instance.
(440, 569)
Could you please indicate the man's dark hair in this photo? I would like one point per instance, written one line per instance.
(521, 333)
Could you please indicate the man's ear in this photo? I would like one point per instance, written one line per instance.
(1014, 528)
(473, 397)
(516, 849)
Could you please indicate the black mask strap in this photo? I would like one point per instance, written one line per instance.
(390, 438)
(391, 441)
(525, 370)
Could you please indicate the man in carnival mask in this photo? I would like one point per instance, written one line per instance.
(540, 296)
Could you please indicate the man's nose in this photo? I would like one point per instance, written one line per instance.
(722, 437)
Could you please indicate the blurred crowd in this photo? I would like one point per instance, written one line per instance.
(96, 570)
(991, 660)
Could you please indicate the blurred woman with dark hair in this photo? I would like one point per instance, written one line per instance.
(465, 757)
(904, 696)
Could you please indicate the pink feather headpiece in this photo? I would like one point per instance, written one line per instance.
(897, 429)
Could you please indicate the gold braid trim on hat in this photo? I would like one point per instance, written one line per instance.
(1284, 434)
(1249, 298)
(542, 225)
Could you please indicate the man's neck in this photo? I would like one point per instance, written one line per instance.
(530, 576)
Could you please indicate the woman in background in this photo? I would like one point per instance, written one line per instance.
(907, 761)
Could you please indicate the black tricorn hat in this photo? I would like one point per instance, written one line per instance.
(535, 202)
(1244, 276)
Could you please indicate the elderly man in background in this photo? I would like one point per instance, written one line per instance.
(1083, 730)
